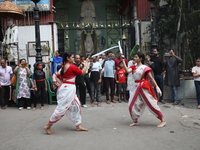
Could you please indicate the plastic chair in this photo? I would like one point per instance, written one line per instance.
(51, 93)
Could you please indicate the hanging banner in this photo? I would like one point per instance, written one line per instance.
(27, 5)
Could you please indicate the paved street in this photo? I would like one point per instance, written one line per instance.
(108, 129)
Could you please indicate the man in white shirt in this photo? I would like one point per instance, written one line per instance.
(95, 80)
(5, 82)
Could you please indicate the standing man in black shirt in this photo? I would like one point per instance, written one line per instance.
(158, 72)
(80, 85)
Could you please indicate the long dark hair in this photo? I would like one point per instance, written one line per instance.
(140, 55)
(65, 56)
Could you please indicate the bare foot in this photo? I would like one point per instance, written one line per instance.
(162, 124)
(34, 109)
(80, 128)
(48, 129)
(42, 108)
(198, 106)
(92, 104)
(134, 124)
(99, 104)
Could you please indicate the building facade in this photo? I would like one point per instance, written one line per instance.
(83, 26)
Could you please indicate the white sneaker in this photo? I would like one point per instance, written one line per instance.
(28, 108)
(20, 108)
(85, 106)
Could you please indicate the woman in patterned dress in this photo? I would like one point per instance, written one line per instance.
(22, 85)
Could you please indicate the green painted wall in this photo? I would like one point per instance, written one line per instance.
(70, 12)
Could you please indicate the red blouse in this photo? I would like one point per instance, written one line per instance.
(71, 72)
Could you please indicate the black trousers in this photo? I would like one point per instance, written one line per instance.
(82, 91)
(109, 82)
(40, 93)
(24, 101)
(4, 95)
(87, 81)
(102, 86)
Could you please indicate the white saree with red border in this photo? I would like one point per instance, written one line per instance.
(142, 95)
(67, 102)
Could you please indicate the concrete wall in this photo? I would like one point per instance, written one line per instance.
(27, 34)
(188, 90)
(145, 35)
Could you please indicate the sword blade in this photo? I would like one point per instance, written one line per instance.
(120, 48)
(104, 51)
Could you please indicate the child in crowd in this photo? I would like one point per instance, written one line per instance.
(39, 86)
(120, 77)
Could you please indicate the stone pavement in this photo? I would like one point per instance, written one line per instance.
(108, 129)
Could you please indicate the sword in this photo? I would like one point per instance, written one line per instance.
(104, 51)
(119, 45)
(120, 48)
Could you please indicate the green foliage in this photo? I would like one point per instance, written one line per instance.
(179, 28)
(134, 50)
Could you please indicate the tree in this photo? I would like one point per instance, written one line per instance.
(178, 26)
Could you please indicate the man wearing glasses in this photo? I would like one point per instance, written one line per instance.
(5, 82)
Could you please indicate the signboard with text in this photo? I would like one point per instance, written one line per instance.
(27, 5)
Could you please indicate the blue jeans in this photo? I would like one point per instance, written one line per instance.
(197, 86)
(159, 80)
(174, 90)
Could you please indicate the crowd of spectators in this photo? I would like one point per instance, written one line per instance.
(105, 75)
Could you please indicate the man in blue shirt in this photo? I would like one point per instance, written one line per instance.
(109, 72)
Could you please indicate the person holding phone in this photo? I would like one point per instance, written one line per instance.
(172, 80)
